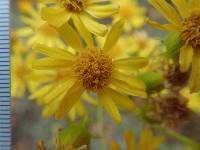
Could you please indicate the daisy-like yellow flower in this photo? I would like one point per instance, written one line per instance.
(37, 30)
(81, 12)
(48, 91)
(92, 69)
(147, 141)
(193, 100)
(22, 74)
(187, 23)
(138, 44)
(132, 13)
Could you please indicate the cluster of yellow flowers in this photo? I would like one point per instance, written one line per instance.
(68, 56)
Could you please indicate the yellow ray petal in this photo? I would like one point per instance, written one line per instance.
(59, 88)
(131, 63)
(167, 10)
(182, 7)
(109, 106)
(121, 100)
(47, 1)
(72, 113)
(123, 87)
(92, 25)
(185, 58)
(51, 108)
(55, 16)
(83, 31)
(28, 21)
(48, 63)
(156, 142)
(129, 139)
(145, 139)
(53, 52)
(70, 98)
(102, 11)
(80, 108)
(195, 76)
(130, 80)
(70, 36)
(40, 92)
(170, 27)
(113, 35)
(89, 99)
(195, 5)
(115, 146)
(96, 1)
(26, 31)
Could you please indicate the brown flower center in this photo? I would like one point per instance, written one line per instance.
(72, 5)
(94, 70)
(191, 30)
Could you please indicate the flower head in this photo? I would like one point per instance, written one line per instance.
(22, 74)
(92, 69)
(147, 141)
(186, 22)
(81, 12)
(132, 12)
(38, 30)
(137, 44)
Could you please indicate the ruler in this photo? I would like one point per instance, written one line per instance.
(5, 130)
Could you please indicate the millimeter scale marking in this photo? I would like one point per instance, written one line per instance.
(5, 113)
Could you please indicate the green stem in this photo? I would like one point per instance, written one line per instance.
(179, 137)
(100, 118)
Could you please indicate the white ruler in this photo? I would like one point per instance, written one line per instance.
(5, 127)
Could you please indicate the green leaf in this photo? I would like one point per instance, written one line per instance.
(153, 81)
(76, 134)
(173, 44)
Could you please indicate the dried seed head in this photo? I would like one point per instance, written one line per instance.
(171, 111)
(175, 78)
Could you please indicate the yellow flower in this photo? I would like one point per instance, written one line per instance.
(38, 30)
(16, 44)
(49, 89)
(22, 74)
(92, 69)
(81, 12)
(193, 99)
(147, 141)
(186, 22)
(138, 44)
(132, 13)
(24, 5)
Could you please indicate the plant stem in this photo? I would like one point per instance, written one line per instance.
(179, 137)
(100, 118)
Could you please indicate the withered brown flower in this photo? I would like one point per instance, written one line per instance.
(171, 111)
(175, 78)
